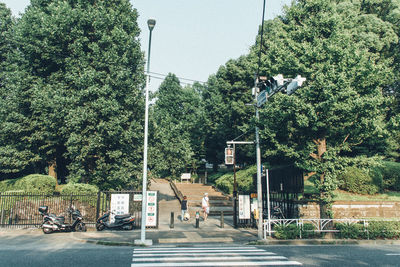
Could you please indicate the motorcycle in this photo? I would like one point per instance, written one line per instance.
(122, 222)
(52, 223)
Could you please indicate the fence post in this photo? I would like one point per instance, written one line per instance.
(98, 205)
(10, 218)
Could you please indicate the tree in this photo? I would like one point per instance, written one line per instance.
(338, 46)
(83, 104)
(178, 121)
(225, 97)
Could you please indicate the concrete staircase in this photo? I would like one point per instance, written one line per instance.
(195, 192)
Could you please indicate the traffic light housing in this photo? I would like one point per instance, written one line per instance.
(294, 84)
(229, 156)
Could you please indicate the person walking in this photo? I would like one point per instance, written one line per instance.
(184, 207)
(205, 204)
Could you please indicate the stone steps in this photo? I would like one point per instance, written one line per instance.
(195, 192)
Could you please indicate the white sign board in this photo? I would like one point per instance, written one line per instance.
(244, 207)
(119, 205)
(151, 208)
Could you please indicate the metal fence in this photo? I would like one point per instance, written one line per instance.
(319, 225)
(21, 209)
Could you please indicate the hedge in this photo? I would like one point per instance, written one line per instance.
(34, 183)
(79, 189)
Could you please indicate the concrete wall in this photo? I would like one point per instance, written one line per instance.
(354, 209)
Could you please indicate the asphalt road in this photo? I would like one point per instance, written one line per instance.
(62, 249)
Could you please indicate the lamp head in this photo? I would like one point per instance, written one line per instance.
(151, 23)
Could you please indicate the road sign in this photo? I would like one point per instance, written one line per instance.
(262, 98)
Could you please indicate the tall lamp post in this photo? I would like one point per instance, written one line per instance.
(150, 23)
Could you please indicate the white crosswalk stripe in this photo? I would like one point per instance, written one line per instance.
(207, 256)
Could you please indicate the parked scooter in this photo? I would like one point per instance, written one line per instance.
(52, 223)
(122, 222)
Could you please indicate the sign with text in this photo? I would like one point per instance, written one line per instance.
(244, 207)
(119, 205)
(151, 208)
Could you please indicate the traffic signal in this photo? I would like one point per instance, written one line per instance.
(272, 84)
(229, 156)
(294, 84)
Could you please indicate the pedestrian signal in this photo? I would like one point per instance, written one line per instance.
(228, 156)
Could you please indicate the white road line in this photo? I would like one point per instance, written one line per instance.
(211, 258)
(203, 253)
(231, 263)
(196, 250)
(189, 248)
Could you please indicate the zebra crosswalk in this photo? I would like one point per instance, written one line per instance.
(207, 256)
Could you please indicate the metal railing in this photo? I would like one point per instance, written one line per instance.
(319, 225)
(20, 209)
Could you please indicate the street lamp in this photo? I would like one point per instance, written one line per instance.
(150, 23)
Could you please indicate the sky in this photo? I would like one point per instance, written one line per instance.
(193, 38)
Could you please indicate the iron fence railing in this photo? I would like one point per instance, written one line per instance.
(319, 225)
(21, 209)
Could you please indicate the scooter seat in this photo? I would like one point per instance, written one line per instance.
(123, 216)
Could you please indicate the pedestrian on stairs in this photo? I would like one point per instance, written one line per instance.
(184, 209)
(205, 204)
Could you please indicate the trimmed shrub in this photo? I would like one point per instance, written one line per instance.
(79, 189)
(308, 231)
(351, 230)
(357, 181)
(389, 173)
(34, 183)
(290, 231)
(388, 230)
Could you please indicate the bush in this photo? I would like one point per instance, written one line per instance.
(34, 183)
(244, 179)
(357, 181)
(79, 189)
(389, 174)
(383, 230)
(350, 231)
(290, 231)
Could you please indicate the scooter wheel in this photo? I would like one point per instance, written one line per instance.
(81, 227)
(100, 227)
(128, 227)
(47, 230)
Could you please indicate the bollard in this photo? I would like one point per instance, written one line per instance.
(222, 219)
(171, 223)
(197, 219)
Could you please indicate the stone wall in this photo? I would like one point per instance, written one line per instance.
(353, 209)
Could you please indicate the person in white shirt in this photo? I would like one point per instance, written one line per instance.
(205, 206)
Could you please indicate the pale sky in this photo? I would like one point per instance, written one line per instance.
(193, 38)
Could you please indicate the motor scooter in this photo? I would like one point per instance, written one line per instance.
(52, 223)
(122, 222)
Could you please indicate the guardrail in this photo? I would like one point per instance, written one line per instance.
(321, 225)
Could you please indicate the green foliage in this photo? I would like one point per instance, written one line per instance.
(351, 230)
(79, 189)
(387, 229)
(374, 230)
(74, 93)
(34, 183)
(388, 173)
(244, 179)
(357, 181)
(177, 129)
(290, 231)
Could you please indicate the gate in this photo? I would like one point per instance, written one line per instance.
(21, 209)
